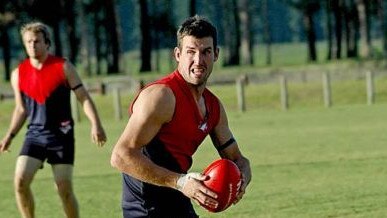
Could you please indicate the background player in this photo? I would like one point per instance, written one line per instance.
(42, 85)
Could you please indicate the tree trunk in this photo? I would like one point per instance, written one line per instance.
(112, 32)
(5, 44)
(338, 27)
(311, 35)
(70, 29)
(236, 42)
(230, 23)
(329, 29)
(351, 28)
(146, 41)
(9, 13)
(266, 30)
(57, 39)
(383, 21)
(97, 38)
(156, 26)
(84, 47)
(365, 41)
(192, 8)
(246, 39)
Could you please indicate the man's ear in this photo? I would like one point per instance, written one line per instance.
(216, 54)
(176, 53)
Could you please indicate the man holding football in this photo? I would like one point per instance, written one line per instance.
(169, 120)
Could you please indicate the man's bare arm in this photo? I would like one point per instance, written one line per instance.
(228, 148)
(19, 114)
(97, 132)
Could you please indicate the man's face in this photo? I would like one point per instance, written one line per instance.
(35, 44)
(196, 58)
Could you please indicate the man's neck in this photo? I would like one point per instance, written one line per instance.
(38, 61)
(197, 91)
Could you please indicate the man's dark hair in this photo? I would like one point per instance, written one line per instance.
(198, 27)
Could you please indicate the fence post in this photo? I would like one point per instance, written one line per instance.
(75, 107)
(284, 92)
(370, 88)
(240, 86)
(117, 103)
(327, 90)
(102, 88)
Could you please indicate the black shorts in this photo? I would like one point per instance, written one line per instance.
(58, 151)
(144, 200)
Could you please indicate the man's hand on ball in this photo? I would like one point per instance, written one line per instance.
(191, 185)
(244, 182)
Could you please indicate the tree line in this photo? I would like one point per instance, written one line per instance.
(87, 30)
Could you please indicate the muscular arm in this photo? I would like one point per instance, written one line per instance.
(19, 113)
(153, 108)
(221, 135)
(97, 131)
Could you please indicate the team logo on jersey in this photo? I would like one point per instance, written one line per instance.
(203, 127)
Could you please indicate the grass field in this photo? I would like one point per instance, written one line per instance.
(306, 162)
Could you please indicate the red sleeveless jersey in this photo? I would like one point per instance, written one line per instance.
(188, 128)
(46, 95)
(38, 84)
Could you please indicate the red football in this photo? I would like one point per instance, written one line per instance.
(225, 180)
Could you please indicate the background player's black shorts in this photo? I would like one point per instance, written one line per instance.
(58, 151)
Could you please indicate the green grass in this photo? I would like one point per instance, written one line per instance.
(312, 162)
(309, 161)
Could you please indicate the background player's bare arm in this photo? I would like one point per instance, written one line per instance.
(19, 114)
(97, 132)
